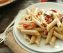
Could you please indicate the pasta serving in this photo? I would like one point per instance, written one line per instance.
(39, 23)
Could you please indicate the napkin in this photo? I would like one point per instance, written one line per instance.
(11, 43)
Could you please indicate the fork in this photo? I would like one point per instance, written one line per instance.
(3, 35)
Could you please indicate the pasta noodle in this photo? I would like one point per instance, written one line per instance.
(38, 39)
(37, 22)
(43, 20)
(31, 32)
(49, 36)
(60, 36)
(32, 39)
(39, 29)
(57, 30)
(52, 42)
(49, 26)
(26, 37)
(55, 15)
(58, 23)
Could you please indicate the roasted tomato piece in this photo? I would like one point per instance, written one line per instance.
(48, 19)
(30, 25)
(25, 25)
(54, 11)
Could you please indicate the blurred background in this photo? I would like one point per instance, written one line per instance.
(8, 12)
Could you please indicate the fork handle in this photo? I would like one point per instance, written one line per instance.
(10, 25)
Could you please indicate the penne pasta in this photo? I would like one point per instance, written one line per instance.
(52, 41)
(44, 36)
(48, 38)
(58, 23)
(19, 27)
(28, 11)
(22, 22)
(55, 15)
(31, 32)
(39, 29)
(49, 26)
(26, 37)
(57, 30)
(43, 20)
(43, 11)
(36, 21)
(59, 36)
(32, 39)
(38, 39)
(61, 29)
(35, 12)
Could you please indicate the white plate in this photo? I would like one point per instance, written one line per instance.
(6, 3)
(42, 47)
